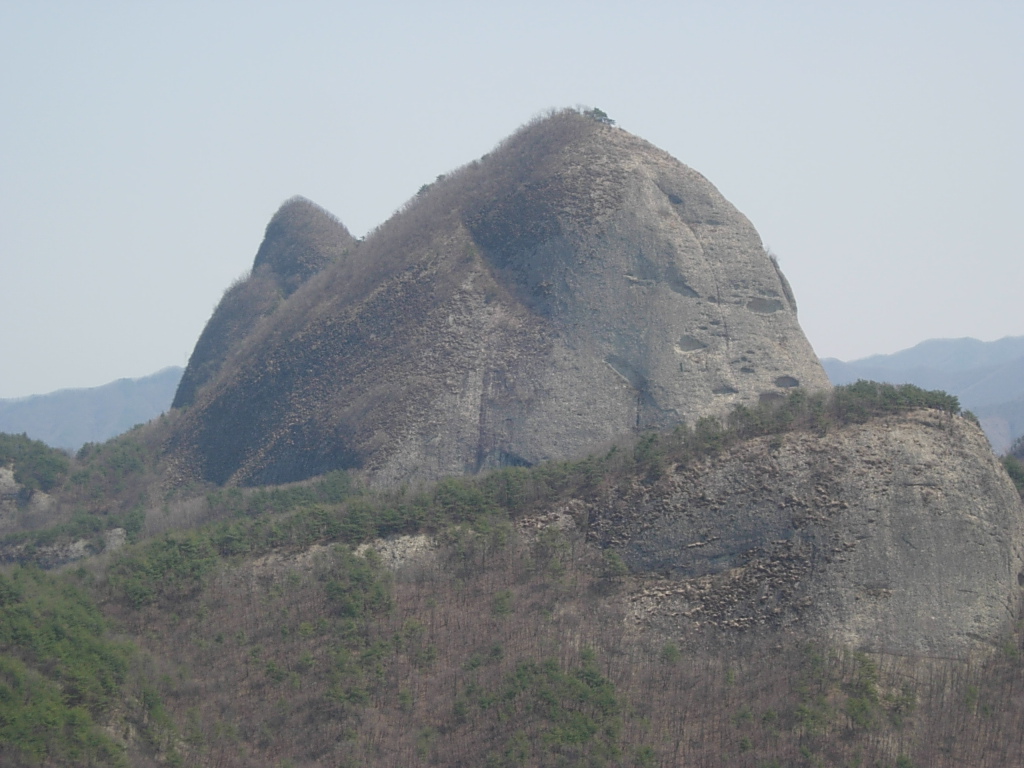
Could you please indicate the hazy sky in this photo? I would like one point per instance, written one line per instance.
(876, 146)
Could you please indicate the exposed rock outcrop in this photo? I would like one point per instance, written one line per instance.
(20, 505)
(10, 490)
(901, 535)
(572, 286)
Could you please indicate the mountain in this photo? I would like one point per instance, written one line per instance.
(70, 418)
(988, 377)
(301, 239)
(574, 285)
(567, 487)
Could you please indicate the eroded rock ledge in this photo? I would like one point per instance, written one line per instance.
(901, 535)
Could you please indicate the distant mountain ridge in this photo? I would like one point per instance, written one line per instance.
(70, 418)
(300, 241)
(961, 354)
(987, 376)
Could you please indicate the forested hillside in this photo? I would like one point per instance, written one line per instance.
(471, 622)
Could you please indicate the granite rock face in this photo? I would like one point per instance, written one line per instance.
(902, 535)
(572, 286)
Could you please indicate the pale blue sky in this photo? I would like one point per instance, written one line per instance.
(876, 146)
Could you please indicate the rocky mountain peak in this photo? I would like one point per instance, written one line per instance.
(574, 285)
(300, 241)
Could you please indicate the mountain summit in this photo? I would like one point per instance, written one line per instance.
(301, 239)
(572, 286)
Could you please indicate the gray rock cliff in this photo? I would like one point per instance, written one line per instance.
(901, 535)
